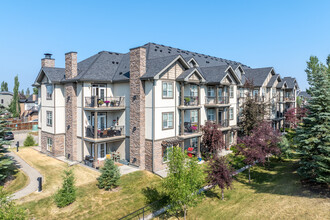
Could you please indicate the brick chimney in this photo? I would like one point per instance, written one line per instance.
(71, 66)
(71, 71)
(48, 61)
(137, 107)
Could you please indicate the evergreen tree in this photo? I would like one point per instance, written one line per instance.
(4, 86)
(14, 107)
(110, 176)
(35, 91)
(6, 164)
(313, 135)
(8, 209)
(67, 194)
(27, 93)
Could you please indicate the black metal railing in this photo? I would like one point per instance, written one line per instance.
(93, 101)
(223, 123)
(190, 127)
(113, 131)
(190, 101)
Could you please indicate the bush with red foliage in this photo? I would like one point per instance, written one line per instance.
(212, 140)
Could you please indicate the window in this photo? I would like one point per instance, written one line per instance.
(274, 92)
(241, 92)
(193, 116)
(193, 91)
(168, 120)
(210, 115)
(231, 93)
(49, 144)
(49, 89)
(231, 113)
(255, 93)
(49, 118)
(102, 151)
(210, 91)
(166, 151)
(167, 89)
(263, 91)
(268, 89)
(231, 137)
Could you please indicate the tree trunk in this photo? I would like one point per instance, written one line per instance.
(223, 196)
(249, 174)
(185, 212)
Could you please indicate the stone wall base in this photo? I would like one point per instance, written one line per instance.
(58, 143)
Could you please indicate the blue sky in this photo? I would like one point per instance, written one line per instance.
(281, 34)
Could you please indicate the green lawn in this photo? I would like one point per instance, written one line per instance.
(21, 180)
(275, 193)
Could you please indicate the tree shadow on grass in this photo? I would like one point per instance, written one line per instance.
(280, 177)
(155, 198)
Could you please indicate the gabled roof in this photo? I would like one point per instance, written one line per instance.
(187, 73)
(258, 75)
(304, 94)
(6, 93)
(273, 80)
(291, 82)
(54, 74)
(215, 74)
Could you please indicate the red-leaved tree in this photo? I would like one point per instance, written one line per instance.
(212, 140)
(295, 115)
(220, 173)
(262, 142)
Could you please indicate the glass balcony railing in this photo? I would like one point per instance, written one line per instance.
(108, 102)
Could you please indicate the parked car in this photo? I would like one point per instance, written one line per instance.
(9, 136)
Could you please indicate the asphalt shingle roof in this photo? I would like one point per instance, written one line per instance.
(258, 75)
(54, 74)
(291, 82)
(272, 80)
(213, 74)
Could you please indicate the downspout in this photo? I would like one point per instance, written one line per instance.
(153, 124)
(82, 122)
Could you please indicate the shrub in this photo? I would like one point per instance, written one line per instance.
(67, 194)
(8, 209)
(109, 176)
(29, 141)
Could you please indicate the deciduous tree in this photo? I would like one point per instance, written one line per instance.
(185, 177)
(219, 173)
(212, 139)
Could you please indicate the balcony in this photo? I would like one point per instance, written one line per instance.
(190, 101)
(107, 134)
(224, 123)
(280, 99)
(108, 103)
(289, 99)
(216, 102)
(190, 127)
(259, 98)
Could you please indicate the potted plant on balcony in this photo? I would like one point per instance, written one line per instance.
(100, 102)
(186, 100)
(112, 103)
(194, 128)
(107, 103)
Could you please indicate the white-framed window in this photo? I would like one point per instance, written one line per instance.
(210, 115)
(274, 92)
(166, 151)
(49, 144)
(167, 120)
(1, 101)
(263, 91)
(49, 90)
(49, 118)
(167, 90)
(231, 91)
(255, 93)
(193, 116)
(231, 114)
(241, 92)
(210, 91)
(193, 90)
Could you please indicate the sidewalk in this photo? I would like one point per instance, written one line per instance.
(32, 173)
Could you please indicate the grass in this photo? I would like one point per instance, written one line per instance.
(19, 182)
(92, 202)
(274, 193)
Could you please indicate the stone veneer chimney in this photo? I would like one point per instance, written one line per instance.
(48, 61)
(71, 71)
(137, 107)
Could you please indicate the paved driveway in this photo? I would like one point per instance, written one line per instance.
(20, 136)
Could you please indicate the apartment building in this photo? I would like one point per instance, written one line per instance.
(136, 106)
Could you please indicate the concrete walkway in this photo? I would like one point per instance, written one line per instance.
(32, 173)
